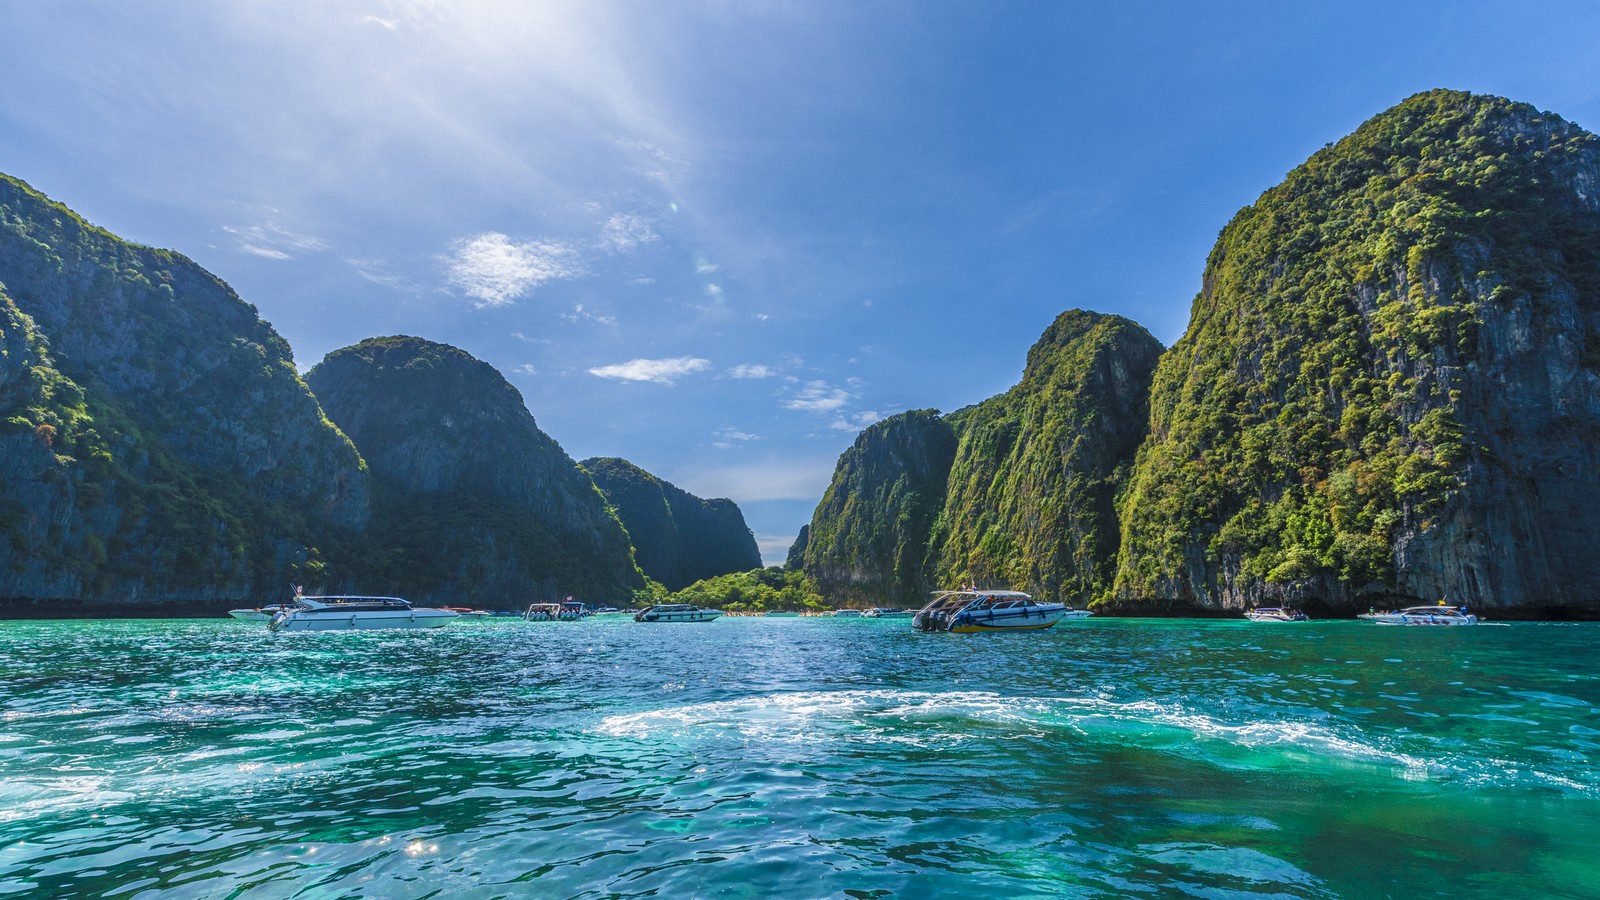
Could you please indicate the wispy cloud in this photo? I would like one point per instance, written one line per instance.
(855, 421)
(525, 369)
(776, 480)
(579, 314)
(661, 371)
(495, 270)
(751, 371)
(774, 547)
(818, 396)
(714, 291)
(375, 271)
(727, 437)
(638, 282)
(272, 241)
(624, 231)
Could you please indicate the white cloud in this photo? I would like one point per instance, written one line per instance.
(579, 314)
(762, 317)
(495, 270)
(624, 231)
(661, 371)
(714, 291)
(263, 251)
(706, 268)
(636, 282)
(525, 369)
(389, 24)
(855, 421)
(273, 241)
(818, 396)
(751, 371)
(727, 436)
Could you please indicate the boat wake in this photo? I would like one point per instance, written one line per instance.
(955, 718)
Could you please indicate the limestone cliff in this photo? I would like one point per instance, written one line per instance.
(475, 504)
(1389, 389)
(868, 539)
(678, 538)
(1031, 497)
(1016, 492)
(160, 446)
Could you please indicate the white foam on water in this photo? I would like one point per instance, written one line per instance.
(879, 716)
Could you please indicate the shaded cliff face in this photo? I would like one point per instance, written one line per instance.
(678, 538)
(868, 539)
(475, 503)
(1388, 390)
(159, 446)
(1030, 503)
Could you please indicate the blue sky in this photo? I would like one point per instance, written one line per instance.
(718, 238)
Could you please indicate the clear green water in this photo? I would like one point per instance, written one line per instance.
(799, 758)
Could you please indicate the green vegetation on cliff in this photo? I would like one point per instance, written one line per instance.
(473, 501)
(1381, 343)
(678, 538)
(159, 444)
(1016, 492)
(868, 539)
(1031, 496)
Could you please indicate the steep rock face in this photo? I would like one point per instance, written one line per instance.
(476, 503)
(1388, 390)
(1030, 503)
(796, 557)
(868, 539)
(678, 538)
(160, 447)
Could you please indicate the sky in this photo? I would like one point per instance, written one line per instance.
(720, 238)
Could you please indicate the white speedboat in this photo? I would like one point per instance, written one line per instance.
(847, 614)
(1423, 615)
(1275, 614)
(350, 612)
(889, 612)
(259, 614)
(676, 612)
(973, 611)
(556, 612)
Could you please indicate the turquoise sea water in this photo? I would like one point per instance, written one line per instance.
(799, 758)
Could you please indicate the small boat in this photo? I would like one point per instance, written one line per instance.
(349, 612)
(676, 612)
(780, 613)
(889, 612)
(1423, 615)
(968, 612)
(260, 613)
(1275, 614)
(468, 613)
(569, 611)
(847, 614)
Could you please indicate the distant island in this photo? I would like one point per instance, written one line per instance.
(1389, 392)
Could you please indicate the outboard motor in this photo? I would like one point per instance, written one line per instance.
(278, 620)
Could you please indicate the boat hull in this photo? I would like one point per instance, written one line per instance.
(704, 615)
(1403, 619)
(259, 614)
(304, 620)
(1036, 622)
